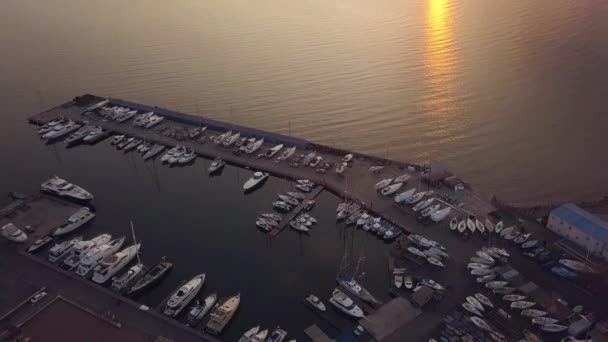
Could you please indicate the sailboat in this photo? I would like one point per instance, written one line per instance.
(349, 283)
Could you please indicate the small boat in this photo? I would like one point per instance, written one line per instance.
(383, 183)
(405, 195)
(272, 216)
(303, 188)
(315, 302)
(505, 231)
(230, 140)
(124, 142)
(430, 210)
(297, 195)
(576, 266)
(529, 244)
(439, 252)
(402, 179)
(553, 327)
(286, 154)
(272, 151)
(61, 187)
(486, 278)
(435, 261)
(280, 205)
(481, 271)
(218, 140)
(278, 335)
(453, 223)
(462, 226)
(521, 238)
(480, 226)
(511, 236)
(315, 161)
(496, 284)
(154, 151)
(533, 313)
(165, 158)
(484, 255)
(216, 165)
(416, 252)
(199, 311)
(375, 168)
(187, 157)
(295, 225)
(11, 232)
(183, 295)
(522, 304)
(256, 179)
(117, 139)
(470, 308)
(111, 264)
(470, 225)
(222, 314)
(484, 300)
(432, 284)
(260, 337)
(343, 303)
(347, 158)
(391, 189)
(121, 283)
(500, 251)
(289, 200)
(475, 265)
(498, 227)
(490, 252)
(415, 197)
(251, 148)
(439, 215)
(544, 320)
(264, 225)
(423, 204)
(75, 221)
(489, 225)
(132, 145)
(152, 276)
(564, 272)
(175, 157)
(513, 298)
(249, 334)
(62, 249)
(398, 280)
(341, 168)
(478, 260)
(481, 323)
(473, 301)
(39, 244)
(391, 234)
(503, 290)
(352, 286)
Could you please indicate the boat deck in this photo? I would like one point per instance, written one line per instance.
(296, 211)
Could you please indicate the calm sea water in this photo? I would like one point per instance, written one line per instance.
(510, 95)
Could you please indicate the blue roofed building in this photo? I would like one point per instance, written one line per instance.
(580, 227)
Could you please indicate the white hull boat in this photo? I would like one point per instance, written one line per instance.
(391, 189)
(61, 187)
(316, 302)
(96, 254)
(122, 283)
(12, 233)
(75, 221)
(440, 215)
(183, 295)
(110, 265)
(343, 303)
(383, 183)
(255, 180)
(405, 195)
(60, 250)
(216, 165)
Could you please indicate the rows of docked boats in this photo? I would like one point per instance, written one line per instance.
(421, 202)
(75, 132)
(258, 334)
(122, 114)
(287, 202)
(353, 214)
(431, 251)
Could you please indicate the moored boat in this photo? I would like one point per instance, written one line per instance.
(256, 179)
(183, 295)
(222, 314)
(75, 221)
(61, 187)
(121, 283)
(111, 264)
(196, 314)
(152, 276)
(343, 303)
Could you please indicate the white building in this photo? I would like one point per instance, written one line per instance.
(580, 227)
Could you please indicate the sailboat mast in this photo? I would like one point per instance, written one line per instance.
(135, 242)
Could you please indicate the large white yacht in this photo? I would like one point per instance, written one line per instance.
(114, 263)
(11, 232)
(249, 149)
(343, 303)
(60, 130)
(62, 249)
(61, 187)
(255, 180)
(95, 255)
(81, 248)
(183, 295)
(77, 220)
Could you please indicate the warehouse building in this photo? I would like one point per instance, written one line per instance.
(581, 227)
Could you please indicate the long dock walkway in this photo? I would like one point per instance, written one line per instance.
(296, 211)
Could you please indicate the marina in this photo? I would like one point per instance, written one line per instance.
(182, 210)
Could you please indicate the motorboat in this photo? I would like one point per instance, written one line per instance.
(500, 251)
(222, 314)
(503, 290)
(484, 255)
(347, 158)
(111, 264)
(341, 168)
(289, 200)
(315, 302)
(544, 320)
(352, 286)
(470, 308)
(480, 226)
(475, 265)
(257, 177)
(11, 232)
(435, 261)
(49, 125)
(251, 148)
(513, 298)
(402, 179)
(61, 187)
(62, 249)
(199, 311)
(296, 195)
(564, 272)
(498, 227)
(58, 132)
(309, 158)
(423, 204)
(416, 252)
(553, 327)
(183, 295)
(230, 140)
(430, 210)
(521, 238)
(470, 225)
(295, 225)
(375, 168)
(432, 284)
(511, 236)
(75, 221)
(490, 252)
(165, 158)
(489, 225)
(481, 271)
(153, 121)
(576, 266)
(39, 244)
(249, 334)
(309, 204)
(315, 161)
(123, 143)
(92, 258)
(398, 280)
(216, 165)
(96, 134)
(154, 151)
(260, 336)
(272, 216)
(486, 278)
(287, 153)
(343, 303)
(405, 195)
(117, 139)
(439, 215)
(144, 147)
(121, 283)
(264, 225)
(529, 244)
(480, 323)
(439, 252)
(522, 304)
(363, 219)
(462, 226)
(81, 248)
(533, 313)
(78, 136)
(454, 223)
(484, 300)
(478, 260)
(506, 231)
(496, 284)
(278, 335)
(175, 157)
(152, 276)
(415, 197)
(303, 188)
(383, 183)
(271, 222)
(187, 157)
(391, 189)
(132, 145)
(391, 234)
(280, 205)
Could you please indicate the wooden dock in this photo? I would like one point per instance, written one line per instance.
(296, 211)
(316, 334)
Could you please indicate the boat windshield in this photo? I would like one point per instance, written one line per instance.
(15, 233)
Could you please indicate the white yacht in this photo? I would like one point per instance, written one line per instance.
(77, 220)
(179, 152)
(153, 121)
(315, 302)
(271, 152)
(183, 295)
(111, 264)
(154, 151)
(405, 195)
(165, 158)
(391, 189)
(255, 180)
(187, 157)
(216, 165)
(230, 140)
(402, 179)
(343, 303)
(81, 248)
(121, 283)
(254, 146)
(383, 183)
(96, 254)
(439, 215)
(61, 130)
(61, 187)
(59, 250)
(199, 311)
(11, 232)
(220, 138)
(287, 153)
